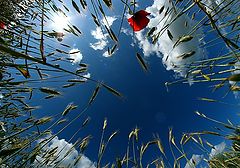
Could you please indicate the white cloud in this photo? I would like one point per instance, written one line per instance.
(126, 31)
(58, 158)
(87, 75)
(2, 127)
(194, 161)
(164, 45)
(217, 150)
(235, 84)
(1, 96)
(99, 45)
(75, 55)
(110, 20)
(106, 54)
(101, 36)
(97, 33)
(147, 47)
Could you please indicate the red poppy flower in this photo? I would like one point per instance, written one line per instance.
(2, 25)
(139, 20)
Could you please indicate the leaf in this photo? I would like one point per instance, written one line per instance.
(24, 72)
(86, 122)
(49, 96)
(211, 133)
(72, 30)
(54, 7)
(83, 65)
(43, 120)
(171, 137)
(229, 42)
(66, 8)
(94, 95)
(75, 6)
(151, 31)
(209, 144)
(166, 13)
(141, 62)
(112, 135)
(161, 10)
(196, 72)
(116, 93)
(75, 52)
(234, 78)
(61, 51)
(68, 109)
(160, 146)
(112, 34)
(41, 46)
(113, 49)
(187, 55)
(200, 114)
(108, 3)
(61, 121)
(83, 3)
(81, 70)
(105, 124)
(9, 151)
(206, 77)
(114, 37)
(207, 99)
(169, 34)
(182, 40)
(77, 29)
(68, 85)
(95, 20)
(76, 80)
(49, 91)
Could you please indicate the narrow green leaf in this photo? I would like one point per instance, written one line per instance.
(95, 20)
(169, 34)
(49, 91)
(94, 95)
(207, 99)
(75, 6)
(182, 40)
(187, 55)
(151, 31)
(142, 62)
(68, 109)
(234, 78)
(108, 3)
(83, 3)
(113, 91)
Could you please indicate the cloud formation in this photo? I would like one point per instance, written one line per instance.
(218, 149)
(102, 37)
(172, 57)
(1, 95)
(87, 75)
(194, 161)
(76, 55)
(235, 84)
(61, 149)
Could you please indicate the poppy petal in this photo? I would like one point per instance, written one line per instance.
(138, 25)
(2, 25)
(139, 20)
(141, 13)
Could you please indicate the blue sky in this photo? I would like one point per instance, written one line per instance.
(147, 104)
